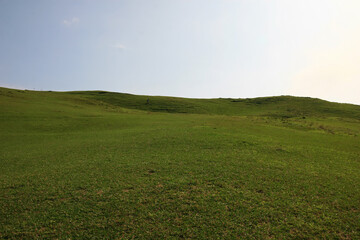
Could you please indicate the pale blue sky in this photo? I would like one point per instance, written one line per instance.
(188, 48)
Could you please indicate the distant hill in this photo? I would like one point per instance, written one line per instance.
(279, 107)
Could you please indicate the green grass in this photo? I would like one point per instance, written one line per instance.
(103, 165)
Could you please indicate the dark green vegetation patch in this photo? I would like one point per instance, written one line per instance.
(97, 164)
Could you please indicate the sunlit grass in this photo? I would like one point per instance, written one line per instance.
(87, 165)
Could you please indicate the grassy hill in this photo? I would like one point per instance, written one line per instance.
(284, 106)
(108, 165)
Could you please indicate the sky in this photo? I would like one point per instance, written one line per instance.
(185, 48)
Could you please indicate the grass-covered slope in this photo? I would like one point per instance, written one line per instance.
(86, 165)
(283, 106)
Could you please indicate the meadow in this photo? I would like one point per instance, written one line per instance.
(102, 165)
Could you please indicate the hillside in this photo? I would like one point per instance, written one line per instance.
(97, 164)
(282, 106)
(285, 106)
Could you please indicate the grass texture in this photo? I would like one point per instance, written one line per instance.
(102, 165)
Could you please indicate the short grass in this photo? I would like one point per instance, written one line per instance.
(86, 165)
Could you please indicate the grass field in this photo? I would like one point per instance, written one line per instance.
(87, 165)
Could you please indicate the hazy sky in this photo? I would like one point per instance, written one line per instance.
(189, 48)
